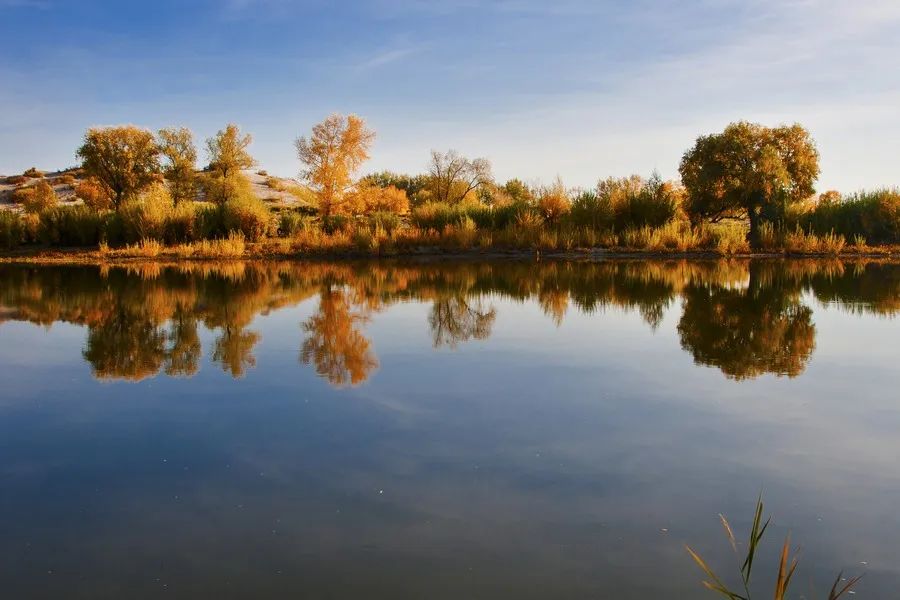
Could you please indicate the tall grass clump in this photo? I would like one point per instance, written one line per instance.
(71, 226)
(249, 215)
(145, 217)
(787, 564)
(11, 229)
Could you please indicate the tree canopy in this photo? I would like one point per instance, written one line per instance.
(453, 176)
(751, 170)
(177, 147)
(123, 159)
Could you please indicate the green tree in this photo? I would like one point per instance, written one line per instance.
(177, 147)
(123, 159)
(751, 170)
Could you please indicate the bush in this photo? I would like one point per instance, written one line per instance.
(220, 190)
(181, 224)
(591, 210)
(65, 179)
(11, 229)
(248, 215)
(290, 222)
(384, 220)
(40, 198)
(553, 202)
(145, 217)
(874, 215)
(33, 172)
(208, 221)
(15, 180)
(93, 194)
(71, 226)
(22, 195)
(334, 223)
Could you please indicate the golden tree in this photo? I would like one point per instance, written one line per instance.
(122, 159)
(338, 146)
(228, 156)
(177, 147)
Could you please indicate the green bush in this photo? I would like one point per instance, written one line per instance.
(181, 224)
(146, 217)
(591, 210)
(386, 220)
(333, 223)
(874, 215)
(71, 226)
(290, 222)
(249, 215)
(11, 229)
(208, 222)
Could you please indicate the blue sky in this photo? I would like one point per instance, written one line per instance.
(577, 88)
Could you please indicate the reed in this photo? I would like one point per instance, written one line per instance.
(787, 564)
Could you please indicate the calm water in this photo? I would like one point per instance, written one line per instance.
(500, 430)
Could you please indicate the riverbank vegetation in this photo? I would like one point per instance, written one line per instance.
(747, 189)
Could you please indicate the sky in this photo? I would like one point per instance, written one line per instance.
(581, 89)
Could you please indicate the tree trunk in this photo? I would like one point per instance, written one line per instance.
(753, 235)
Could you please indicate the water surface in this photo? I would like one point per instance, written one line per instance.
(475, 430)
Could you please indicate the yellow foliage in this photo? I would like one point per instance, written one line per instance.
(368, 199)
(93, 194)
(332, 154)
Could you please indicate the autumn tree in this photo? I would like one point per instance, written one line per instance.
(336, 149)
(453, 177)
(228, 156)
(177, 147)
(751, 170)
(124, 159)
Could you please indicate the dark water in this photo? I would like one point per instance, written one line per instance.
(503, 430)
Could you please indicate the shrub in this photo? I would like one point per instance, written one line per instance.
(181, 224)
(145, 217)
(208, 221)
(872, 214)
(276, 184)
(41, 198)
(70, 226)
(591, 210)
(15, 180)
(33, 172)
(11, 229)
(553, 202)
(22, 195)
(384, 220)
(335, 223)
(262, 173)
(248, 215)
(65, 179)
(371, 198)
(290, 222)
(93, 194)
(221, 189)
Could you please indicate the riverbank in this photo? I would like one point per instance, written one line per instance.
(273, 250)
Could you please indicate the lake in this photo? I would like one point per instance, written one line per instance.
(442, 430)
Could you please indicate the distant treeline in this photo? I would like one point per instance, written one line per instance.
(747, 188)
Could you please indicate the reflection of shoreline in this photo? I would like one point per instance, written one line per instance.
(744, 317)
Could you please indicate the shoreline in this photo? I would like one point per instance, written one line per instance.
(91, 256)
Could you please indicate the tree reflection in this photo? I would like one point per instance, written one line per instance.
(748, 332)
(456, 319)
(125, 344)
(334, 342)
(746, 318)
